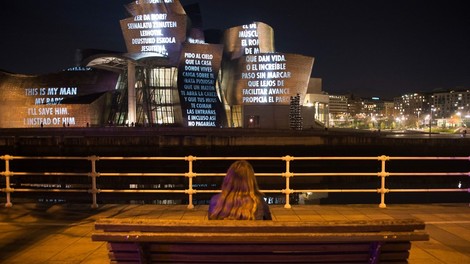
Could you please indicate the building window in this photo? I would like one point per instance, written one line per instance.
(158, 97)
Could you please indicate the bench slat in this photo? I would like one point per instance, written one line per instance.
(261, 258)
(217, 248)
(258, 237)
(227, 226)
(244, 248)
(282, 257)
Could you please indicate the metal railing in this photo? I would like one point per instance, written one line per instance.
(288, 174)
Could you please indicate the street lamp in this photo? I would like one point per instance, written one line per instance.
(459, 120)
(430, 121)
(428, 118)
(418, 123)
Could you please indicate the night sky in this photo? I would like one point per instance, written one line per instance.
(365, 47)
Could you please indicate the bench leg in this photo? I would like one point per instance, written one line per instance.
(144, 258)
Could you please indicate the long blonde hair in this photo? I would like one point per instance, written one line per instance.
(240, 194)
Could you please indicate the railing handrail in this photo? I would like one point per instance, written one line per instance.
(190, 174)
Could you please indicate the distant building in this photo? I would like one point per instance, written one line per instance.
(377, 107)
(452, 102)
(355, 105)
(316, 105)
(414, 104)
(338, 105)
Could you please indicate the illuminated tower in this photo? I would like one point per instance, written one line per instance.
(154, 34)
(258, 82)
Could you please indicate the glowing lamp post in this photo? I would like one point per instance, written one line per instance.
(428, 119)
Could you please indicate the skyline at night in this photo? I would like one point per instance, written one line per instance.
(368, 48)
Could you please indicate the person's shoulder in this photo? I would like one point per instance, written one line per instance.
(215, 197)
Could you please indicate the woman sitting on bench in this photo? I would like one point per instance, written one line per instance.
(240, 198)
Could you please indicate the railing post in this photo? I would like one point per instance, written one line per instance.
(382, 174)
(468, 189)
(287, 175)
(94, 190)
(7, 173)
(190, 174)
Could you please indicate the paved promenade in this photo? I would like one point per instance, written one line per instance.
(56, 234)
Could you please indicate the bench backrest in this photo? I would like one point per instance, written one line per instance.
(151, 240)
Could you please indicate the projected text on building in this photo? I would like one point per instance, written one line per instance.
(156, 27)
(47, 109)
(199, 66)
(270, 78)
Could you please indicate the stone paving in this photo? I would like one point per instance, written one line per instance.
(31, 233)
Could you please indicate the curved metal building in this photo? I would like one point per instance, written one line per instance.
(169, 76)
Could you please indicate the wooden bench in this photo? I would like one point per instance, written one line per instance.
(170, 241)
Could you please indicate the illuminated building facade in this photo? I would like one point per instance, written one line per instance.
(338, 104)
(74, 97)
(414, 104)
(171, 76)
(316, 104)
(448, 103)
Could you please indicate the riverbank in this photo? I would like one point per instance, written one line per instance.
(140, 141)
